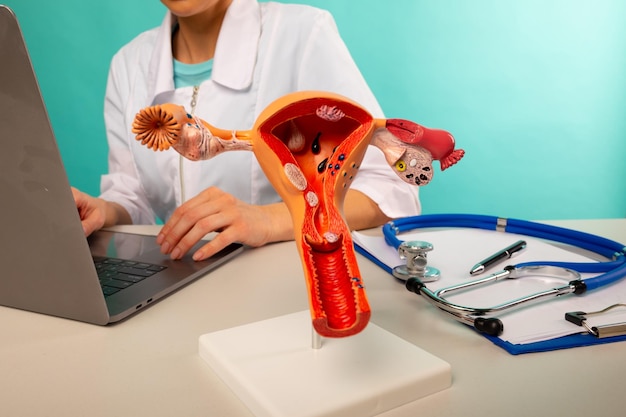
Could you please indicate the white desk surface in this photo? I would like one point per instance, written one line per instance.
(149, 365)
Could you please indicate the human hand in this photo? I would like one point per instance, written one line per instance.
(213, 210)
(92, 211)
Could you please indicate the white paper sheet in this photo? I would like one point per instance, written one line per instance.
(456, 251)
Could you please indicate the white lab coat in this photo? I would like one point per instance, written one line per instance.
(264, 51)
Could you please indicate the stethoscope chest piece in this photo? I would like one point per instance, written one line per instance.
(415, 253)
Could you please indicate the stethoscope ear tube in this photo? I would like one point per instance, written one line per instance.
(488, 325)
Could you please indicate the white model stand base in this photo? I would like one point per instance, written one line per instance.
(273, 369)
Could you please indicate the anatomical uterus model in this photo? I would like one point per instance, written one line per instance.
(310, 146)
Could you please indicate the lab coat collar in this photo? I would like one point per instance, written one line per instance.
(237, 46)
(235, 52)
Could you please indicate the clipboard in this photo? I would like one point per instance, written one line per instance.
(456, 250)
(564, 342)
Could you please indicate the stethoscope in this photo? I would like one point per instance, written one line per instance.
(416, 272)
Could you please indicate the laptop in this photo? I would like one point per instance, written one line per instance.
(48, 266)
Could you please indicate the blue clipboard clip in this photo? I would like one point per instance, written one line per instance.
(579, 318)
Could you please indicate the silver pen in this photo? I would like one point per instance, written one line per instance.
(505, 253)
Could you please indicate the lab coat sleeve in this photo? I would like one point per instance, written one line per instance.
(121, 184)
(328, 65)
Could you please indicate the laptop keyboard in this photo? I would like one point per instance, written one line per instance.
(118, 274)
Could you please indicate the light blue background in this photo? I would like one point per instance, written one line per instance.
(533, 90)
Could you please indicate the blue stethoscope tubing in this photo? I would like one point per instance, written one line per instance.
(613, 270)
(609, 271)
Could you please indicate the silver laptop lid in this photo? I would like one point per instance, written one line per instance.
(44, 255)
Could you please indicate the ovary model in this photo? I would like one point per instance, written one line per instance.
(310, 146)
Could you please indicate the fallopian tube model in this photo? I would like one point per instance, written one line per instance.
(310, 145)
